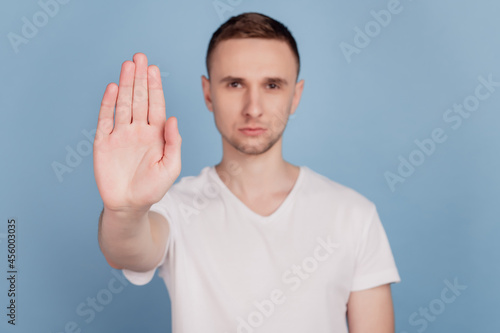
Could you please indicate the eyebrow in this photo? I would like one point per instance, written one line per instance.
(275, 79)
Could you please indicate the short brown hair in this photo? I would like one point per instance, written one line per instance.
(252, 25)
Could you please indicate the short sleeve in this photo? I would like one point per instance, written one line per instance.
(163, 207)
(375, 264)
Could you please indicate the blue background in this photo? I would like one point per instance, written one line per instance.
(354, 122)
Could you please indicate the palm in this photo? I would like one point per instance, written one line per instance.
(138, 159)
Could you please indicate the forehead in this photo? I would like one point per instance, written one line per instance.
(253, 57)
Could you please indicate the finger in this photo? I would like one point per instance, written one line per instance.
(172, 149)
(105, 120)
(140, 97)
(156, 98)
(124, 103)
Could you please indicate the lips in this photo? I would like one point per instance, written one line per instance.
(252, 131)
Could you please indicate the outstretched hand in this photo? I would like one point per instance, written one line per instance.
(138, 158)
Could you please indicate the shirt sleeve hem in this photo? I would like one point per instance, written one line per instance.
(139, 278)
(376, 279)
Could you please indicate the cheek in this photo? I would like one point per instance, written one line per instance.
(225, 102)
(279, 110)
(278, 122)
(223, 113)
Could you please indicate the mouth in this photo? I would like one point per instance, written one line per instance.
(252, 131)
(251, 128)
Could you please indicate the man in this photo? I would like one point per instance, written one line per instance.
(253, 244)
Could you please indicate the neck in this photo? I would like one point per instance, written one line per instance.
(251, 176)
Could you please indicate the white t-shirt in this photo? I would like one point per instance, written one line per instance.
(230, 270)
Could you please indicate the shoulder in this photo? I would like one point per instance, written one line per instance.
(323, 188)
(191, 185)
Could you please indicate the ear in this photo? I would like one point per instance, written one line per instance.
(205, 84)
(299, 87)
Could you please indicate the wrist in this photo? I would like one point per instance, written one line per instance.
(124, 212)
(130, 215)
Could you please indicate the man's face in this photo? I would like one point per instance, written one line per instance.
(252, 85)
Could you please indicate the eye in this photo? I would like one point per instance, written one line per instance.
(234, 84)
(273, 86)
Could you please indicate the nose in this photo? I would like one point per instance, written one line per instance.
(252, 103)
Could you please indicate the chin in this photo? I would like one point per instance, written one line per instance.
(251, 146)
(253, 149)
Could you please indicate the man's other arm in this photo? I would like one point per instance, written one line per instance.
(371, 310)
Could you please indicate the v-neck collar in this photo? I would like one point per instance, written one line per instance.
(284, 204)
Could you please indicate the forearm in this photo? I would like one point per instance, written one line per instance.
(126, 240)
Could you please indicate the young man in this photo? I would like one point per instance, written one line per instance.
(253, 244)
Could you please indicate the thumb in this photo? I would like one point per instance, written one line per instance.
(172, 149)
